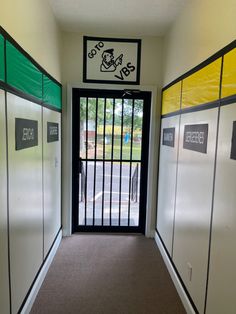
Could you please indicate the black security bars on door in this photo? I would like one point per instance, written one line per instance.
(131, 157)
(109, 129)
(113, 162)
(110, 136)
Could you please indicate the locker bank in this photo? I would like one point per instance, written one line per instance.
(169, 91)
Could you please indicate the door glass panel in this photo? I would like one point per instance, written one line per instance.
(108, 128)
(124, 194)
(135, 195)
(110, 161)
(90, 181)
(90, 128)
(98, 193)
(117, 129)
(137, 132)
(82, 195)
(82, 130)
(100, 127)
(127, 128)
(106, 194)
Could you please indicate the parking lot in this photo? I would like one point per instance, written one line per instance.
(114, 197)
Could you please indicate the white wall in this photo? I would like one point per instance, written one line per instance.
(32, 24)
(72, 69)
(202, 28)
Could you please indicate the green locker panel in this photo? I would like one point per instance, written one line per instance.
(22, 74)
(51, 93)
(2, 63)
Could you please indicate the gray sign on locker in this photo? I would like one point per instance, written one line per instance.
(195, 137)
(168, 137)
(26, 133)
(52, 132)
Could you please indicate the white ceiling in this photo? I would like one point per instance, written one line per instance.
(117, 17)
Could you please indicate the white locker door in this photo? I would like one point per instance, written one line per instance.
(167, 179)
(222, 276)
(51, 176)
(194, 200)
(25, 198)
(4, 282)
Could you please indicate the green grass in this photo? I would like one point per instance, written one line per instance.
(136, 151)
(126, 147)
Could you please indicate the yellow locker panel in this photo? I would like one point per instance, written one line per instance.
(229, 74)
(171, 99)
(202, 86)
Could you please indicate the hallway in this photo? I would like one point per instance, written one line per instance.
(104, 274)
(117, 117)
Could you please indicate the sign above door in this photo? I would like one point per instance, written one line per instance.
(111, 60)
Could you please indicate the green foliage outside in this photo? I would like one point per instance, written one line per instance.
(110, 107)
(113, 109)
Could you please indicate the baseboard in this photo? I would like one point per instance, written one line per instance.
(38, 282)
(181, 292)
(150, 234)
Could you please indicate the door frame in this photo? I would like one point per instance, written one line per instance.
(114, 94)
(152, 156)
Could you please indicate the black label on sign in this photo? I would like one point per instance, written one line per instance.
(52, 132)
(168, 137)
(195, 137)
(26, 133)
(233, 145)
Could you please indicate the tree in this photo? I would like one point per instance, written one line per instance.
(89, 107)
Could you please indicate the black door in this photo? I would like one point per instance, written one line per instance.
(110, 160)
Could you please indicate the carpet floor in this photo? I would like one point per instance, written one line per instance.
(107, 274)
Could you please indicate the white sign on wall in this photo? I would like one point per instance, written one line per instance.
(111, 60)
